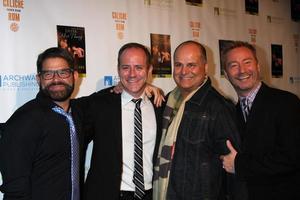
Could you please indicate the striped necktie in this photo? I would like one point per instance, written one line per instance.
(74, 153)
(138, 176)
(245, 107)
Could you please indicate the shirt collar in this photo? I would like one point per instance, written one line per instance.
(126, 98)
(251, 96)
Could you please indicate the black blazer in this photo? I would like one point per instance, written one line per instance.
(271, 146)
(104, 128)
(35, 152)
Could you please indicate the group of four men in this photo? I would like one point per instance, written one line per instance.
(196, 146)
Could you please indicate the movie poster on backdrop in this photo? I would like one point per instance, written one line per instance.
(161, 55)
(251, 7)
(73, 39)
(295, 10)
(222, 45)
(277, 62)
(194, 2)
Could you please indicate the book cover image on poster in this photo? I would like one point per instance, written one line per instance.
(295, 10)
(222, 45)
(161, 55)
(194, 2)
(73, 39)
(251, 7)
(277, 62)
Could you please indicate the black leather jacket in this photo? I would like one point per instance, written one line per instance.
(196, 171)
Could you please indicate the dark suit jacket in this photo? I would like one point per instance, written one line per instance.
(35, 152)
(271, 146)
(104, 127)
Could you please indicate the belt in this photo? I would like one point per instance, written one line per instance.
(130, 195)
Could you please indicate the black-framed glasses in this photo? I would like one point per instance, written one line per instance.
(62, 73)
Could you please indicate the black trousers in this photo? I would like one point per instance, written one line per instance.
(129, 195)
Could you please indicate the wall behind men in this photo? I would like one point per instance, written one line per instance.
(29, 27)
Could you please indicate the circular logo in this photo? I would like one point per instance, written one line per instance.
(120, 35)
(14, 27)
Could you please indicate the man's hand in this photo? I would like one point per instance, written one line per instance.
(118, 88)
(157, 92)
(228, 160)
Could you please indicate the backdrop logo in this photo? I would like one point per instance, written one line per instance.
(224, 12)
(195, 27)
(120, 20)
(14, 9)
(252, 32)
(275, 19)
(296, 41)
(162, 4)
(12, 82)
(111, 80)
(294, 79)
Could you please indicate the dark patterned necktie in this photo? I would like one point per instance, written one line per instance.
(246, 108)
(74, 153)
(138, 176)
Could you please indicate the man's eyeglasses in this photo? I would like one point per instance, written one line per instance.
(62, 73)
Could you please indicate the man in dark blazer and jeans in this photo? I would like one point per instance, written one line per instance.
(109, 123)
(269, 123)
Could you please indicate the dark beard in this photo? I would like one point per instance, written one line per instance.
(58, 95)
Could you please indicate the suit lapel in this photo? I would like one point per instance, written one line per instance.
(158, 117)
(258, 107)
(116, 110)
(240, 121)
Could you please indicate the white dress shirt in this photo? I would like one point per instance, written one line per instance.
(149, 137)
